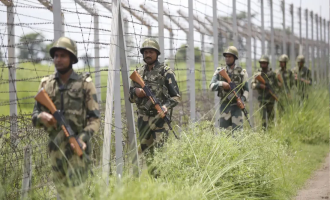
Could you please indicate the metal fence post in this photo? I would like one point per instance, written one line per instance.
(97, 60)
(235, 26)
(161, 29)
(300, 37)
(171, 60)
(191, 56)
(325, 53)
(249, 62)
(262, 28)
(321, 51)
(292, 52)
(203, 63)
(284, 28)
(215, 55)
(317, 50)
(272, 45)
(313, 48)
(27, 172)
(58, 19)
(307, 40)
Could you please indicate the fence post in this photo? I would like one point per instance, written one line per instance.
(313, 48)
(317, 49)
(292, 52)
(215, 56)
(272, 45)
(27, 171)
(262, 28)
(203, 62)
(58, 20)
(321, 52)
(161, 29)
(97, 60)
(171, 60)
(284, 28)
(191, 61)
(118, 124)
(300, 37)
(235, 26)
(249, 62)
(324, 52)
(307, 40)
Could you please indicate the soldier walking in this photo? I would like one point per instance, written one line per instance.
(302, 76)
(230, 113)
(75, 96)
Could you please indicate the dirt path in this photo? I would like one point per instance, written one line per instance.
(318, 186)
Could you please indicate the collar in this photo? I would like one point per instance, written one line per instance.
(229, 68)
(73, 75)
(156, 65)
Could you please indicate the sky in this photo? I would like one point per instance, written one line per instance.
(79, 26)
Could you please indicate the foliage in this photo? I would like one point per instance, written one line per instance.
(32, 47)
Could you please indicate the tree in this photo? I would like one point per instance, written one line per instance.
(181, 54)
(32, 47)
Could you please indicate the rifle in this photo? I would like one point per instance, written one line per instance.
(138, 79)
(232, 85)
(271, 91)
(43, 98)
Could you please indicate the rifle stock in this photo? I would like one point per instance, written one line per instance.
(240, 104)
(43, 98)
(262, 80)
(138, 79)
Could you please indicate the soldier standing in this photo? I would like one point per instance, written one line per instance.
(302, 76)
(75, 96)
(265, 98)
(160, 78)
(230, 114)
(285, 80)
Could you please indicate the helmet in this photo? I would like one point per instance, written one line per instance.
(264, 58)
(150, 43)
(66, 44)
(300, 58)
(284, 58)
(231, 50)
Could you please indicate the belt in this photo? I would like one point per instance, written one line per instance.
(151, 113)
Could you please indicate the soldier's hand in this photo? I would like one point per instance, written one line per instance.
(263, 86)
(295, 77)
(164, 109)
(83, 144)
(140, 92)
(225, 86)
(47, 119)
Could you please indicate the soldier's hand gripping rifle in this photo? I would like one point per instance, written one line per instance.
(271, 91)
(233, 87)
(138, 79)
(43, 98)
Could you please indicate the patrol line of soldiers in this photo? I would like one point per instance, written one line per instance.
(75, 96)
(281, 82)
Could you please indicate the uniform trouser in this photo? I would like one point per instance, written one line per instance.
(69, 171)
(267, 113)
(153, 132)
(230, 115)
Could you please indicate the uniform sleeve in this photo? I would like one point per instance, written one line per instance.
(132, 96)
(37, 110)
(173, 89)
(92, 112)
(245, 84)
(291, 79)
(215, 83)
(309, 76)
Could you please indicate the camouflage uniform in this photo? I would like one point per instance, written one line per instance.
(266, 100)
(77, 101)
(230, 114)
(284, 92)
(153, 130)
(304, 73)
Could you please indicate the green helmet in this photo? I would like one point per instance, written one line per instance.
(264, 58)
(284, 58)
(67, 44)
(150, 43)
(300, 58)
(231, 50)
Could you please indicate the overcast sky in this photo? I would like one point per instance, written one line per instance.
(37, 14)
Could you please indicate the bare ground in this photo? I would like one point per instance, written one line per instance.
(317, 187)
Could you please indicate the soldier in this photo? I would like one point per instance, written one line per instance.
(302, 76)
(160, 78)
(285, 79)
(230, 113)
(265, 98)
(75, 96)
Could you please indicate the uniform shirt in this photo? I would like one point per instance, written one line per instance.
(288, 80)
(304, 73)
(270, 78)
(237, 75)
(162, 83)
(79, 107)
